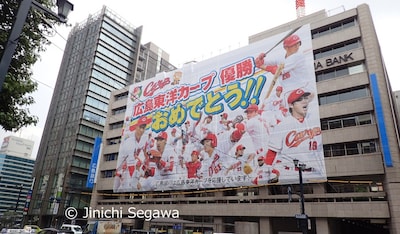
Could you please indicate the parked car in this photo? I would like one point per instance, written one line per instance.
(54, 231)
(71, 227)
(31, 228)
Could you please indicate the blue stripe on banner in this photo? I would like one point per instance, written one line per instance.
(93, 163)
(387, 157)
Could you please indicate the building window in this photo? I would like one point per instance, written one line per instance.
(350, 148)
(346, 121)
(114, 141)
(107, 174)
(336, 49)
(337, 26)
(339, 72)
(117, 125)
(343, 95)
(110, 157)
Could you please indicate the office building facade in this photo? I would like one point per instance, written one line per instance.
(360, 141)
(16, 167)
(102, 54)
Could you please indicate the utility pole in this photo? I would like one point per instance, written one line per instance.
(302, 218)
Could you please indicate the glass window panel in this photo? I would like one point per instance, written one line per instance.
(364, 119)
(348, 122)
(338, 150)
(332, 99)
(335, 124)
(351, 148)
(324, 125)
(356, 69)
(368, 147)
(327, 151)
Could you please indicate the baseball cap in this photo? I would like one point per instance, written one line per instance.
(252, 107)
(144, 120)
(296, 94)
(236, 135)
(240, 147)
(291, 40)
(212, 137)
(261, 158)
(195, 152)
(279, 88)
(162, 135)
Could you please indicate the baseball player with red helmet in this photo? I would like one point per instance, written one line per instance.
(257, 128)
(298, 136)
(193, 166)
(213, 163)
(169, 159)
(295, 70)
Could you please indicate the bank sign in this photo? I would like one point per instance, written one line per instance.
(238, 119)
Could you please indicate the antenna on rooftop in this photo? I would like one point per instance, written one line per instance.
(300, 8)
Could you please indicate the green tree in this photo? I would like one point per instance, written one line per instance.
(15, 96)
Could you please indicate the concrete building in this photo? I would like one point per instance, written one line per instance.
(16, 167)
(17, 146)
(360, 141)
(102, 54)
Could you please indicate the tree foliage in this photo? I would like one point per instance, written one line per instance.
(16, 94)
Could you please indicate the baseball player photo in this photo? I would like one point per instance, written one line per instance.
(297, 137)
(243, 162)
(193, 166)
(213, 164)
(257, 128)
(290, 66)
(131, 154)
(150, 171)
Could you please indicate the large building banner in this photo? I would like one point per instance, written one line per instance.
(238, 119)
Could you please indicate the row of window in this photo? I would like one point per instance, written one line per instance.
(96, 103)
(90, 132)
(99, 90)
(116, 45)
(338, 26)
(337, 49)
(343, 95)
(116, 30)
(111, 68)
(92, 117)
(112, 55)
(350, 148)
(347, 121)
(107, 80)
(339, 72)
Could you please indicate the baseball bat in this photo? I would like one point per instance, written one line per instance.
(277, 74)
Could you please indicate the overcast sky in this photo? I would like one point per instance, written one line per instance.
(197, 30)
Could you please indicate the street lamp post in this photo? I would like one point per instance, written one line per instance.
(64, 7)
(302, 217)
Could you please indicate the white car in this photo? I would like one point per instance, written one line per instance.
(71, 227)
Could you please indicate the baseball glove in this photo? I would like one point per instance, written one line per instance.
(247, 169)
(237, 119)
